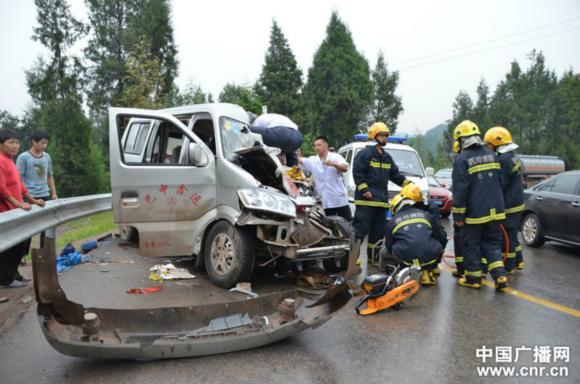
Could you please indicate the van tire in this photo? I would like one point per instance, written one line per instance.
(337, 264)
(229, 254)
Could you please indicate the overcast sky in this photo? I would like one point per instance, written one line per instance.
(225, 41)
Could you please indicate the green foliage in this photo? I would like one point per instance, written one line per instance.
(77, 162)
(144, 82)
(338, 94)
(281, 79)
(54, 86)
(118, 27)
(386, 105)
(242, 96)
(540, 110)
(192, 94)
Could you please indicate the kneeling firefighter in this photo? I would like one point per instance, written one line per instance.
(415, 237)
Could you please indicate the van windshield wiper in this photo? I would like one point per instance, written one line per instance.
(407, 173)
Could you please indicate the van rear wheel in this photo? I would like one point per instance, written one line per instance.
(229, 254)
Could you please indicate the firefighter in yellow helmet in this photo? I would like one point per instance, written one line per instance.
(415, 236)
(478, 206)
(500, 140)
(372, 170)
(457, 248)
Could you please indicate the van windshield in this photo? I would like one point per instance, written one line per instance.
(407, 161)
(235, 135)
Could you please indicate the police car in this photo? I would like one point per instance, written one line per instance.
(406, 158)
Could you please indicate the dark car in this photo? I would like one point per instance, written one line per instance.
(439, 197)
(553, 210)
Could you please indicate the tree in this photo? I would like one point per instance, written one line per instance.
(54, 86)
(117, 27)
(339, 91)
(386, 106)
(192, 94)
(462, 110)
(144, 79)
(481, 109)
(281, 79)
(243, 96)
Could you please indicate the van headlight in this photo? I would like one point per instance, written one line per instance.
(267, 201)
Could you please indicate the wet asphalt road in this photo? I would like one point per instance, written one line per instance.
(433, 339)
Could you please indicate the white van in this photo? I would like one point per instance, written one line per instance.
(404, 156)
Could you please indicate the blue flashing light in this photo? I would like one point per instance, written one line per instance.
(361, 137)
(391, 139)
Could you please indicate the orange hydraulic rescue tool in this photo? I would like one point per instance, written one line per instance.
(386, 291)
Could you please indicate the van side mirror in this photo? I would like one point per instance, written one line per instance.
(430, 171)
(196, 155)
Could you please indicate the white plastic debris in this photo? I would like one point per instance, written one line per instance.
(168, 272)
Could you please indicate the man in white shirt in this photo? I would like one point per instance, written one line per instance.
(280, 132)
(326, 168)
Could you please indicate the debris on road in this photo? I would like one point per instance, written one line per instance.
(168, 271)
(68, 258)
(245, 289)
(145, 291)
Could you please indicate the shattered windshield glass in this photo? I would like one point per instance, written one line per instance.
(235, 135)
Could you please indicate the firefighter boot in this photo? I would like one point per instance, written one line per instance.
(427, 278)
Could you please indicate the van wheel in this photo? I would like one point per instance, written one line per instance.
(129, 234)
(229, 254)
(338, 264)
(532, 232)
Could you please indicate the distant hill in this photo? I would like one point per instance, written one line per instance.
(433, 137)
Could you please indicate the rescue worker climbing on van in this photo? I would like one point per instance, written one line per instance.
(372, 169)
(478, 206)
(499, 139)
(415, 237)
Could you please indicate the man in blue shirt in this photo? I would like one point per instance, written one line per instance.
(35, 168)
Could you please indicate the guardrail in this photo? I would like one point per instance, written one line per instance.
(18, 225)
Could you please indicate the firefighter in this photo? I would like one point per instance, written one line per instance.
(478, 206)
(458, 250)
(500, 140)
(372, 170)
(413, 192)
(415, 237)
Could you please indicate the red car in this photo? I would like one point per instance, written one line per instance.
(439, 197)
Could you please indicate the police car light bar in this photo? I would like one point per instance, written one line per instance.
(391, 139)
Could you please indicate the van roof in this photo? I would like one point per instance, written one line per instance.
(216, 109)
(363, 144)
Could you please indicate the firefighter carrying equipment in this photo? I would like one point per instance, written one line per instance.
(384, 291)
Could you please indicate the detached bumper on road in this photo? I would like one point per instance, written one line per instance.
(212, 327)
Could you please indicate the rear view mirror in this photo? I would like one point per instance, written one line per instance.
(196, 155)
(430, 171)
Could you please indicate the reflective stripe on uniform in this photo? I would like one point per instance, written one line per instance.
(411, 221)
(516, 167)
(483, 260)
(362, 186)
(483, 167)
(517, 208)
(370, 203)
(485, 219)
(496, 264)
(473, 273)
(519, 248)
(458, 210)
(459, 259)
(376, 164)
(371, 245)
(418, 264)
(511, 255)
